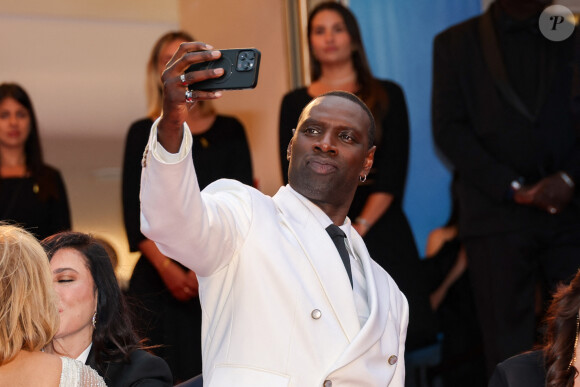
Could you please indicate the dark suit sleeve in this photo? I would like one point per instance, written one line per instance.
(143, 370)
(524, 370)
(573, 163)
(453, 129)
(150, 371)
(498, 379)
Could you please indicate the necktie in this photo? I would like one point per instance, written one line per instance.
(337, 236)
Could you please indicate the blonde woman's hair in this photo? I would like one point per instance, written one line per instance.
(28, 310)
(153, 86)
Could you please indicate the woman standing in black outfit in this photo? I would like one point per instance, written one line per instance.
(32, 193)
(167, 308)
(338, 62)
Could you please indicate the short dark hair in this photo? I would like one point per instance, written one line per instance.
(353, 98)
(113, 337)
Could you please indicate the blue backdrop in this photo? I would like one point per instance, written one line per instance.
(398, 38)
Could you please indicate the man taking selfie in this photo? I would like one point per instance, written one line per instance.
(290, 295)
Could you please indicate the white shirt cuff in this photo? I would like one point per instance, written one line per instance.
(164, 156)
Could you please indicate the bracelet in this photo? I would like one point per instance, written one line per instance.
(515, 185)
(362, 222)
(567, 179)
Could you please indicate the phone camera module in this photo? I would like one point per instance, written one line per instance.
(246, 61)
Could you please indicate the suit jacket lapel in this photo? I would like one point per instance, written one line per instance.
(492, 56)
(324, 258)
(373, 329)
(91, 359)
(110, 371)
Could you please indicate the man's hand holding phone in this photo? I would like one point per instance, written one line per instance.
(241, 66)
(198, 72)
(176, 103)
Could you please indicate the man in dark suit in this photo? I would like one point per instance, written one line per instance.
(502, 115)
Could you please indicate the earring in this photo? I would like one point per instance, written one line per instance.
(95, 320)
(362, 179)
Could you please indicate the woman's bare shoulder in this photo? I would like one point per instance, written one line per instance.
(32, 369)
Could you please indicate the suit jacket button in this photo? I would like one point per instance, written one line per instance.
(316, 314)
(327, 383)
(393, 359)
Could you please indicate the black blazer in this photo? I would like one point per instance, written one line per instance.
(143, 370)
(490, 136)
(525, 370)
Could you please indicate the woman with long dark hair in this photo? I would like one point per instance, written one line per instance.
(32, 193)
(95, 326)
(556, 363)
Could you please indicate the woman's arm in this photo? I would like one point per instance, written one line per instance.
(376, 205)
(181, 284)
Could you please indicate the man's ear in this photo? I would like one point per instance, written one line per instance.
(369, 159)
(289, 149)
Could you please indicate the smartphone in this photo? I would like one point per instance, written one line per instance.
(241, 66)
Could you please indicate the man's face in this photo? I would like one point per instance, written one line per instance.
(329, 151)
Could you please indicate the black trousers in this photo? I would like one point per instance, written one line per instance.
(505, 270)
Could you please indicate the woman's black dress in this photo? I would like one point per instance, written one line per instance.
(39, 204)
(221, 152)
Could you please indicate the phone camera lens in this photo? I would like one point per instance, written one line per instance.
(243, 66)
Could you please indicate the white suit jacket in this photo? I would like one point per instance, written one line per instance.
(278, 308)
